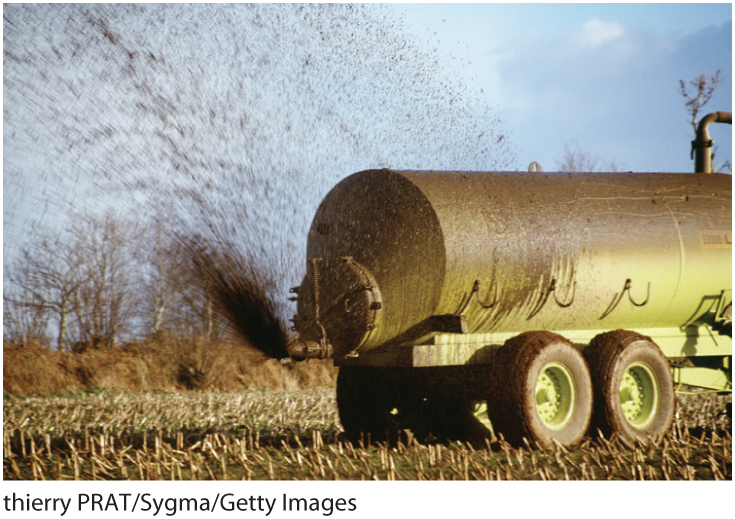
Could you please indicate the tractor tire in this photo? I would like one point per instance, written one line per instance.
(633, 387)
(540, 390)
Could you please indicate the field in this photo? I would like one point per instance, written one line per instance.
(296, 435)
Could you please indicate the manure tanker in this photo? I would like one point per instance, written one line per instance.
(462, 305)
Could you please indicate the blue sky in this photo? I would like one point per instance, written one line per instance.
(601, 77)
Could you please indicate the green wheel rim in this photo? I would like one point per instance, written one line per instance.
(639, 395)
(555, 396)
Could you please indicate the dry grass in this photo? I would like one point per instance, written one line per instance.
(296, 435)
(162, 365)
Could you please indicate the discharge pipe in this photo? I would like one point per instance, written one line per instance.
(702, 144)
(300, 349)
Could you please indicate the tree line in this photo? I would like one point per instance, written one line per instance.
(102, 281)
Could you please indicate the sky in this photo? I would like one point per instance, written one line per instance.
(601, 78)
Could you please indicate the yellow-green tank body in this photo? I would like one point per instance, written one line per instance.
(507, 252)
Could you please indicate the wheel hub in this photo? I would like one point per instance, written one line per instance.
(639, 395)
(555, 396)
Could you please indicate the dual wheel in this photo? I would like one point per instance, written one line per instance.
(545, 390)
(540, 387)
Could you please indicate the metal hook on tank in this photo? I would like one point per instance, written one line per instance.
(545, 297)
(571, 299)
(467, 299)
(476, 289)
(617, 298)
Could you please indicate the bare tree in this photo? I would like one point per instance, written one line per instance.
(24, 323)
(160, 287)
(76, 279)
(47, 279)
(704, 87)
(576, 161)
(161, 281)
(103, 311)
(171, 296)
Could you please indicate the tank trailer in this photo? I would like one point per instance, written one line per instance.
(540, 306)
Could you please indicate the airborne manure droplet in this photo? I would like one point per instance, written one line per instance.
(238, 290)
(220, 129)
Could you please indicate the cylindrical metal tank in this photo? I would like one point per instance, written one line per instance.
(513, 252)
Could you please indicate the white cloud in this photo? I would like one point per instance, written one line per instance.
(596, 32)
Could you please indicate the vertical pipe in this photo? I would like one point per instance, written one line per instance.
(703, 142)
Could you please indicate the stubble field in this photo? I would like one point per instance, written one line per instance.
(296, 435)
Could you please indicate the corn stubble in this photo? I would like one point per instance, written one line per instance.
(295, 435)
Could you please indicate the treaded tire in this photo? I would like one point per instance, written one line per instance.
(517, 373)
(620, 359)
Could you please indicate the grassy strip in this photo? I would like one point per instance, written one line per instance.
(164, 364)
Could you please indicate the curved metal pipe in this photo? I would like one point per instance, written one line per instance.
(703, 142)
(301, 349)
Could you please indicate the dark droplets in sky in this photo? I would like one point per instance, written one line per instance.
(228, 122)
